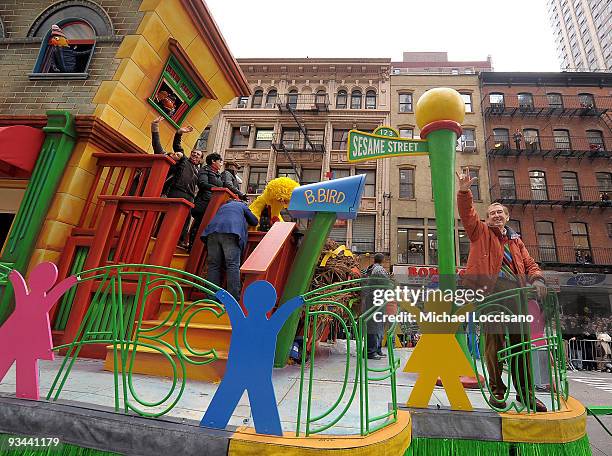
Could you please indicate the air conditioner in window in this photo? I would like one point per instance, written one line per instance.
(245, 130)
(241, 104)
(269, 105)
(469, 146)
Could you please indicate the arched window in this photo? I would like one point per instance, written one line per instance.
(370, 99)
(271, 98)
(292, 98)
(321, 98)
(356, 99)
(546, 242)
(79, 22)
(66, 48)
(341, 99)
(257, 99)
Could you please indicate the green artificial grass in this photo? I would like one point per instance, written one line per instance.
(62, 449)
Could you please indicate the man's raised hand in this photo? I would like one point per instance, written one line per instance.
(465, 181)
(186, 129)
(157, 120)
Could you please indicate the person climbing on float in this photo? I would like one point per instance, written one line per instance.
(267, 207)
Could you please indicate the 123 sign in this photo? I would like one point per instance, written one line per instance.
(383, 143)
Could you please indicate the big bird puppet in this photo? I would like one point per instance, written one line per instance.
(275, 197)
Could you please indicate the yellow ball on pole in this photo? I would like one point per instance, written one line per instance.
(442, 103)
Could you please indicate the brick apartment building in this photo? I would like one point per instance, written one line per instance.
(549, 143)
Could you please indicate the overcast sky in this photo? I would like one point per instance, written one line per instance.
(516, 33)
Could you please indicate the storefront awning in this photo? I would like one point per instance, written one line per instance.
(19, 149)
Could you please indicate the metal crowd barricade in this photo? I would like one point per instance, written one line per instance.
(589, 354)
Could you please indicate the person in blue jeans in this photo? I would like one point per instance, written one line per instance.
(225, 238)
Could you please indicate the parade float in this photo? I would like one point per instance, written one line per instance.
(132, 301)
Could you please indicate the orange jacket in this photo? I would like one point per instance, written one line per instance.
(487, 249)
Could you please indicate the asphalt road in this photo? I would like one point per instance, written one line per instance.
(594, 388)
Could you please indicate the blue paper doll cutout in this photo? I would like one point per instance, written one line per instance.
(251, 358)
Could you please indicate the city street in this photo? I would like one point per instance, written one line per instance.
(594, 388)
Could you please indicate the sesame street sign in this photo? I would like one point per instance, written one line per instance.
(383, 143)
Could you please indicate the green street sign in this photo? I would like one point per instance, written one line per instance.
(381, 144)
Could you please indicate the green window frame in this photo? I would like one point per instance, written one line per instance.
(175, 79)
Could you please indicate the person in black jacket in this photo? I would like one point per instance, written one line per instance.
(182, 181)
(230, 180)
(208, 177)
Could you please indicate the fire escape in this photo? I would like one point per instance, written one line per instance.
(295, 140)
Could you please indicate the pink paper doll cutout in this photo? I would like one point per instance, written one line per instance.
(25, 337)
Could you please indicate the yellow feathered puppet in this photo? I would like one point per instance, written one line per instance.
(273, 200)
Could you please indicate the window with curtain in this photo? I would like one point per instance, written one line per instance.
(546, 242)
(537, 182)
(562, 140)
(339, 139)
(405, 102)
(263, 138)
(356, 99)
(406, 183)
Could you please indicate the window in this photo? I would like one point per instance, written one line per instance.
(263, 138)
(496, 100)
(257, 99)
(406, 183)
(546, 242)
(370, 99)
(571, 190)
(406, 133)
(525, 101)
(595, 140)
(356, 99)
(341, 99)
(287, 172)
(410, 245)
(609, 230)
(271, 98)
(467, 140)
(317, 138)
(562, 140)
(586, 100)
(475, 188)
(339, 139)
(507, 187)
(175, 93)
(242, 102)
(310, 176)
(405, 102)
(555, 100)
(292, 139)
(292, 98)
(532, 139)
(364, 228)
(67, 49)
(464, 247)
(515, 225)
(537, 180)
(582, 246)
(604, 182)
(370, 183)
(202, 142)
(501, 138)
(257, 180)
(467, 101)
(321, 98)
(240, 137)
(338, 173)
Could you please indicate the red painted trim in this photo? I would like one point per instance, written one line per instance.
(183, 59)
(19, 148)
(204, 22)
(441, 125)
(268, 249)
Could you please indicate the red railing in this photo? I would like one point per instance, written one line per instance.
(124, 175)
(123, 235)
